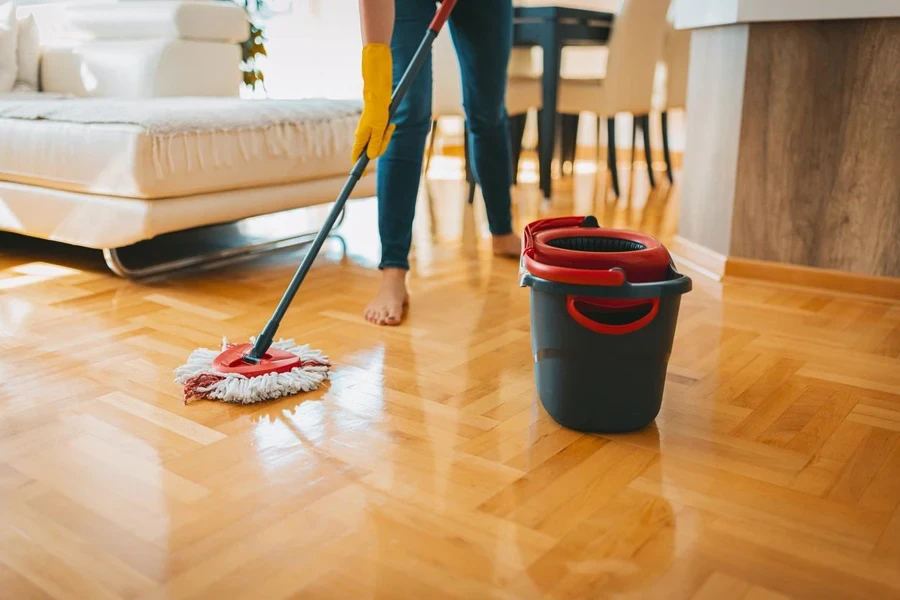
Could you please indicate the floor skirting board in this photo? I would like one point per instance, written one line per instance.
(699, 258)
(725, 268)
(813, 277)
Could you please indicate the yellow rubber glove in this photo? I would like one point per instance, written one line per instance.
(373, 128)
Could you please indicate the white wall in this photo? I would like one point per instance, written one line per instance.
(315, 50)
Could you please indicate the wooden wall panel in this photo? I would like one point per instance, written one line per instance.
(818, 174)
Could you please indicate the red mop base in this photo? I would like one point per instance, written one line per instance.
(273, 361)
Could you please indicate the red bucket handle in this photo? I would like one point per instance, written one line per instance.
(604, 277)
(442, 15)
(534, 227)
(588, 323)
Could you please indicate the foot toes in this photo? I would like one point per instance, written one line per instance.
(388, 306)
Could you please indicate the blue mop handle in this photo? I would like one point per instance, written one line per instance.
(268, 333)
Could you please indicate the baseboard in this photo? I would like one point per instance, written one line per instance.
(812, 277)
(698, 258)
(719, 267)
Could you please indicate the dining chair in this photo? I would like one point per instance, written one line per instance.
(587, 62)
(676, 55)
(635, 48)
(447, 99)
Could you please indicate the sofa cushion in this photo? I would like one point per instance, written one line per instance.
(164, 147)
(28, 54)
(207, 20)
(8, 41)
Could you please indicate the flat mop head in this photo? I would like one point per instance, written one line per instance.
(286, 369)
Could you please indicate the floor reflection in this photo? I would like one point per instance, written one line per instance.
(425, 468)
(445, 221)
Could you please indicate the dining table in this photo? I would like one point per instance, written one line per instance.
(553, 28)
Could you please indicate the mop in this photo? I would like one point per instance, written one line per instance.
(264, 369)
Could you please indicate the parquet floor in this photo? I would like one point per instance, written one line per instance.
(427, 468)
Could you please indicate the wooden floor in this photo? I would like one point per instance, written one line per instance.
(427, 468)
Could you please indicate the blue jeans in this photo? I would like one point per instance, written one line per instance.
(482, 35)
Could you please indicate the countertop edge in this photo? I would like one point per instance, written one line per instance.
(695, 14)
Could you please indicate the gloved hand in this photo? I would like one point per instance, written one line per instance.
(373, 127)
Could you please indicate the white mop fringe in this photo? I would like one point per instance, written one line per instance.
(239, 389)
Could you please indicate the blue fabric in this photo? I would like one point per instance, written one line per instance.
(482, 35)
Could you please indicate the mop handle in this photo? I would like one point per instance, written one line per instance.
(265, 338)
(441, 16)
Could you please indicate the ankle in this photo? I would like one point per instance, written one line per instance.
(393, 275)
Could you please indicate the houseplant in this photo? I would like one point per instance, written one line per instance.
(254, 46)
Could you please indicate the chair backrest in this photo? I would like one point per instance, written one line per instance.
(446, 96)
(677, 54)
(635, 48)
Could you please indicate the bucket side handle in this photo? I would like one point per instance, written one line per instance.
(573, 304)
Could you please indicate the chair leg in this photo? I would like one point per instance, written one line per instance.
(429, 197)
(429, 152)
(597, 184)
(645, 126)
(664, 117)
(568, 141)
(470, 173)
(516, 132)
(545, 155)
(611, 154)
(634, 125)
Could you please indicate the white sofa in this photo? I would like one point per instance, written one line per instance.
(139, 131)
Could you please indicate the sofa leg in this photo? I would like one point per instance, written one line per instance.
(113, 256)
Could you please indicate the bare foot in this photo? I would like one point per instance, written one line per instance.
(509, 245)
(387, 307)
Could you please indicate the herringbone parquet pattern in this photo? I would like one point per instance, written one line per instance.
(427, 468)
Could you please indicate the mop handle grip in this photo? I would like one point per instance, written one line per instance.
(442, 15)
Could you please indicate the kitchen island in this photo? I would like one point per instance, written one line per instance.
(792, 149)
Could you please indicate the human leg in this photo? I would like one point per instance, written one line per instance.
(482, 36)
(399, 168)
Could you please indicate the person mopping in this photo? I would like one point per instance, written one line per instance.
(391, 32)
(265, 369)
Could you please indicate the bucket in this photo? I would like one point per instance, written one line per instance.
(604, 306)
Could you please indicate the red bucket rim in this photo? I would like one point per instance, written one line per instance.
(591, 267)
(586, 259)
